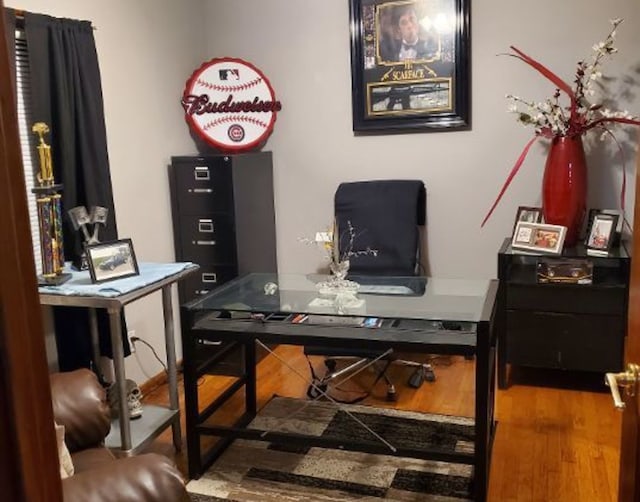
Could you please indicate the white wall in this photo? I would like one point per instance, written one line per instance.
(146, 50)
(303, 48)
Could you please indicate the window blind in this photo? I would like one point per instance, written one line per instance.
(27, 144)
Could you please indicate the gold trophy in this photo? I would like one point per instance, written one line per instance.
(49, 204)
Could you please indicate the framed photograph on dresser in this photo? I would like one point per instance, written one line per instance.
(528, 214)
(538, 237)
(601, 233)
(619, 226)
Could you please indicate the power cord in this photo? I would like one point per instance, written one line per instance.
(135, 339)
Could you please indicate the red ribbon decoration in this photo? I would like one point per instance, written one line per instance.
(513, 172)
(575, 128)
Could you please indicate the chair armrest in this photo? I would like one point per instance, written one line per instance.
(144, 478)
(80, 404)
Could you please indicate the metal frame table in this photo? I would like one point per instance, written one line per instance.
(127, 437)
(207, 319)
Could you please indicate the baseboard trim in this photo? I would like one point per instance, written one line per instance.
(157, 381)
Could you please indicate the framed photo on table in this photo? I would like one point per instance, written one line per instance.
(601, 233)
(619, 227)
(410, 65)
(538, 237)
(528, 214)
(111, 260)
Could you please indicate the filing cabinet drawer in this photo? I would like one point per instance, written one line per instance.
(203, 187)
(205, 280)
(208, 239)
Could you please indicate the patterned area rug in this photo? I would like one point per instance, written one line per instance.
(265, 472)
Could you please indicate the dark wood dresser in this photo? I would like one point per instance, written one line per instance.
(561, 325)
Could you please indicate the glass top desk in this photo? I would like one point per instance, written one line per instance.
(417, 314)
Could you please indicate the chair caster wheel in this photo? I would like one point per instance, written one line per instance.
(314, 391)
(391, 394)
(430, 376)
(417, 378)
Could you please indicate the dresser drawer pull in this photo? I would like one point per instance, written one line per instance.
(201, 291)
(205, 226)
(209, 277)
(201, 190)
(204, 243)
(201, 173)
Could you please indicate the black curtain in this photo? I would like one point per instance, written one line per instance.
(66, 94)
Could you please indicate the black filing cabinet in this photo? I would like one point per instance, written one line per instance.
(223, 217)
(561, 325)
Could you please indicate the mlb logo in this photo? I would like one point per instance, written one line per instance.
(229, 74)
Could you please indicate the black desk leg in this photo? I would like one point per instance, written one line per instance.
(250, 372)
(483, 409)
(501, 323)
(503, 379)
(194, 454)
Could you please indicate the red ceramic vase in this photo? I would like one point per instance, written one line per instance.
(564, 186)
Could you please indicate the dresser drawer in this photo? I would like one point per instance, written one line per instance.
(203, 187)
(570, 298)
(205, 280)
(565, 341)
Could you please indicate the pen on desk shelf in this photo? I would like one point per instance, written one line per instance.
(299, 318)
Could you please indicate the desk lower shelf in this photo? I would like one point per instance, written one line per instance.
(145, 429)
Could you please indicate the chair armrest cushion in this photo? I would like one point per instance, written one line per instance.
(80, 404)
(144, 478)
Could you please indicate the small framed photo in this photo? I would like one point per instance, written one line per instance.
(619, 227)
(538, 237)
(601, 233)
(112, 260)
(528, 214)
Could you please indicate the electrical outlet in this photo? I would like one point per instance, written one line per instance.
(130, 334)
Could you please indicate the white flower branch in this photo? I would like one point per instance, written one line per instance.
(331, 245)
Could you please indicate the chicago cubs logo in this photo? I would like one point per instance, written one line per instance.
(236, 133)
(230, 104)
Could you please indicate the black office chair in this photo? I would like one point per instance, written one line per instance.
(386, 216)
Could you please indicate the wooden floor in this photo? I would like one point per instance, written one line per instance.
(557, 438)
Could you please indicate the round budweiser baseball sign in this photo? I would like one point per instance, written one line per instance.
(230, 104)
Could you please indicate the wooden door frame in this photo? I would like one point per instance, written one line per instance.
(29, 468)
(629, 478)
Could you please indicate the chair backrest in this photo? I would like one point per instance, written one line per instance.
(386, 216)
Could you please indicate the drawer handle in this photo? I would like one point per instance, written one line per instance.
(201, 291)
(205, 226)
(204, 243)
(209, 277)
(201, 173)
(201, 190)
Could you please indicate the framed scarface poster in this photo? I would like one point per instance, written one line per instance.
(410, 65)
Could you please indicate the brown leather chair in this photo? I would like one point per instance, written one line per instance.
(79, 403)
